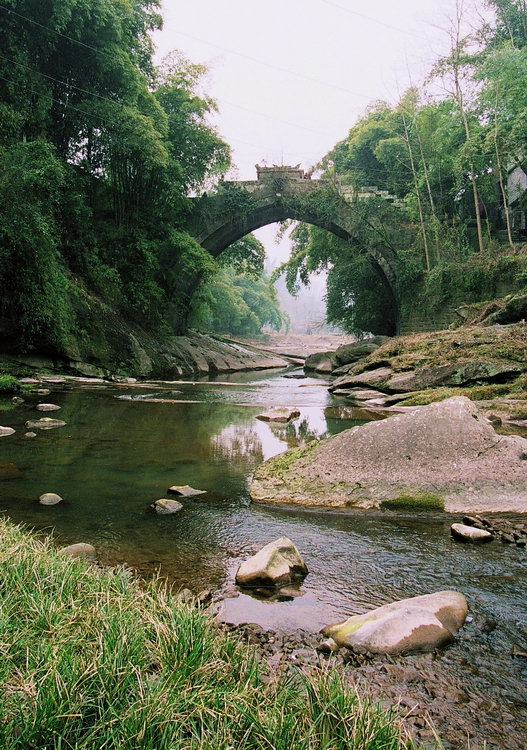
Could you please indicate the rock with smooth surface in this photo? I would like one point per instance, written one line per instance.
(6, 431)
(454, 374)
(421, 623)
(47, 407)
(320, 362)
(166, 506)
(446, 449)
(30, 435)
(185, 490)
(46, 423)
(278, 563)
(49, 498)
(350, 353)
(370, 378)
(79, 550)
(279, 414)
(470, 533)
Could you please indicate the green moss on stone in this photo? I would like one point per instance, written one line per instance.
(420, 501)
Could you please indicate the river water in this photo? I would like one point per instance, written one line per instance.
(120, 451)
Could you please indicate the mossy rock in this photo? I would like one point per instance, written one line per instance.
(420, 501)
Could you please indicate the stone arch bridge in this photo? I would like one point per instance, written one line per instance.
(218, 219)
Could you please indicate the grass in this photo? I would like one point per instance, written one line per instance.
(91, 660)
(420, 501)
(8, 384)
(441, 347)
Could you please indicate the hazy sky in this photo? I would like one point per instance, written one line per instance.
(291, 76)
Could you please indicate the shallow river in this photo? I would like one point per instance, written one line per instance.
(120, 452)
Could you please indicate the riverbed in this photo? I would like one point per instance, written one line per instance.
(124, 445)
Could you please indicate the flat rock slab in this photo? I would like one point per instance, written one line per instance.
(166, 506)
(6, 431)
(455, 374)
(279, 414)
(46, 423)
(445, 451)
(374, 378)
(421, 623)
(185, 490)
(50, 498)
(470, 533)
(47, 407)
(276, 564)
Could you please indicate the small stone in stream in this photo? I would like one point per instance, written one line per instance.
(204, 597)
(6, 431)
(49, 498)
(29, 381)
(279, 414)
(275, 564)
(17, 400)
(185, 596)
(470, 533)
(43, 391)
(166, 507)
(521, 543)
(47, 407)
(328, 646)
(79, 550)
(293, 376)
(185, 490)
(507, 538)
(54, 379)
(46, 423)
(30, 434)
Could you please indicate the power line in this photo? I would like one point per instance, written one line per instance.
(272, 117)
(64, 83)
(267, 64)
(54, 31)
(370, 18)
(232, 104)
(62, 104)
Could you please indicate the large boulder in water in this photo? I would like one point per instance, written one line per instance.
(321, 362)
(276, 564)
(442, 455)
(422, 623)
(349, 353)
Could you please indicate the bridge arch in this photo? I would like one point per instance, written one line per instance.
(238, 208)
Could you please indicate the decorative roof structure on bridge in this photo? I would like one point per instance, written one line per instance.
(284, 171)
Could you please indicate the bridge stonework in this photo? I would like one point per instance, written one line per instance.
(235, 209)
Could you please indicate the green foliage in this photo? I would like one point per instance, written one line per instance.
(98, 152)
(8, 384)
(92, 659)
(245, 256)
(236, 303)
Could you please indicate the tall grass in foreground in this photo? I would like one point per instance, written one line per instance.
(91, 660)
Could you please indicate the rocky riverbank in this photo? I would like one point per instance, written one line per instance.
(138, 354)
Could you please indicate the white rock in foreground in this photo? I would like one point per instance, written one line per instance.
(275, 564)
(422, 623)
(49, 498)
(165, 506)
(470, 533)
(5, 431)
(279, 414)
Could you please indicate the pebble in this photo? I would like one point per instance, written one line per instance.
(49, 498)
